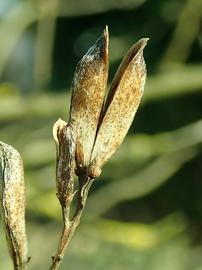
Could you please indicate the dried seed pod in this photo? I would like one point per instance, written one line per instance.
(121, 104)
(12, 204)
(65, 138)
(88, 90)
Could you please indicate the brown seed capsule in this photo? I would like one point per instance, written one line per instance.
(88, 90)
(12, 204)
(121, 104)
(65, 144)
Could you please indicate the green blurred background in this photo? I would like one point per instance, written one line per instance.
(145, 211)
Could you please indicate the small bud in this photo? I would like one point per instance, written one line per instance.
(121, 104)
(65, 144)
(12, 204)
(88, 91)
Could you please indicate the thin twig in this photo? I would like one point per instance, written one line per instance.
(69, 227)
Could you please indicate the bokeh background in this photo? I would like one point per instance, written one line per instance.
(145, 211)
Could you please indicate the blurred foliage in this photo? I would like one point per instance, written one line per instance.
(145, 212)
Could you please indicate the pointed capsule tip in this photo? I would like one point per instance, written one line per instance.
(104, 43)
(100, 47)
(140, 45)
(106, 32)
(106, 35)
(136, 49)
(145, 40)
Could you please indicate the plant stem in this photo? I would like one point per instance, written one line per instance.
(20, 267)
(69, 227)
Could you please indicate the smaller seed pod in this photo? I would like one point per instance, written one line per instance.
(65, 140)
(12, 204)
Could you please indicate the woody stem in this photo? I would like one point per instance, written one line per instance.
(69, 227)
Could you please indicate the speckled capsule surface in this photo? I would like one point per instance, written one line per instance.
(12, 203)
(88, 91)
(121, 104)
(65, 139)
(101, 119)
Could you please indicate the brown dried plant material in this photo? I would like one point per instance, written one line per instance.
(65, 145)
(121, 104)
(12, 204)
(88, 91)
(101, 127)
(96, 127)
